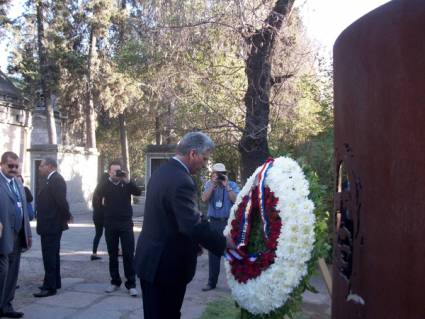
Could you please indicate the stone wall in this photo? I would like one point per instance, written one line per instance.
(14, 135)
(155, 156)
(79, 168)
(39, 128)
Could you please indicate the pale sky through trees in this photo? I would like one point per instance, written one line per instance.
(324, 20)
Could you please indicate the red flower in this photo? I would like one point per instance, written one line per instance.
(244, 269)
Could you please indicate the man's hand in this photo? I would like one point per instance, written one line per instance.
(200, 251)
(229, 242)
(225, 181)
(71, 219)
(214, 179)
(125, 178)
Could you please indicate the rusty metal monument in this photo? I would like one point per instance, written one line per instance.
(379, 242)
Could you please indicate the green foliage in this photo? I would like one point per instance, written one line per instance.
(309, 138)
(229, 156)
(311, 115)
(256, 241)
(318, 153)
(223, 308)
(226, 308)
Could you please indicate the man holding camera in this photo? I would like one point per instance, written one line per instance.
(220, 193)
(114, 194)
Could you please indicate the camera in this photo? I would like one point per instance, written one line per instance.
(221, 177)
(120, 173)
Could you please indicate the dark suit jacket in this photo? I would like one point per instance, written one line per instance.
(172, 229)
(52, 207)
(7, 217)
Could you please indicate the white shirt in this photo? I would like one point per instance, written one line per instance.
(6, 178)
(48, 176)
(184, 165)
(14, 191)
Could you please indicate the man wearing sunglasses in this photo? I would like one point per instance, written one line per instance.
(16, 232)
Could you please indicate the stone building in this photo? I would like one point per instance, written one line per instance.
(155, 156)
(15, 123)
(24, 131)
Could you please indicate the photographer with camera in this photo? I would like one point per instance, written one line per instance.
(114, 194)
(220, 193)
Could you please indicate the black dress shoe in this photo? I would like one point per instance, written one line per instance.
(12, 314)
(208, 288)
(44, 288)
(44, 293)
(95, 257)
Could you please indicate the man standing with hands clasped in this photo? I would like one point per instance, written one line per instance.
(114, 193)
(173, 230)
(53, 217)
(220, 193)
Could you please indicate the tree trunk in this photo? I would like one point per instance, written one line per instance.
(157, 130)
(89, 107)
(44, 77)
(170, 119)
(123, 127)
(253, 145)
(124, 143)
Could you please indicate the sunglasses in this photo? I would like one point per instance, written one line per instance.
(13, 166)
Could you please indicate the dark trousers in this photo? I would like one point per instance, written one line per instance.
(214, 260)
(50, 247)
(99, 231)
(9, 269)
(162, 302)
(113, 236)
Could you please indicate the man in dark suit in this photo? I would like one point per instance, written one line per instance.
(173, 230)
(15, 233)
(52, 219)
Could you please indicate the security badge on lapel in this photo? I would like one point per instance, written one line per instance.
(218, 204)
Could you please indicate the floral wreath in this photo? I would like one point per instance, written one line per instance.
(272, 224)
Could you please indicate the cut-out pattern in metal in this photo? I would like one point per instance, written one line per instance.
(347, 223)
(344, 225)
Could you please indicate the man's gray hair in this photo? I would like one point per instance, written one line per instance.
(51, 162)
(197, 141)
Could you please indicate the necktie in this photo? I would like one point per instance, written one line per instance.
(14, 191)
(18, 215)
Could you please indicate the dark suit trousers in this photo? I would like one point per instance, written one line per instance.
(99, 231)
(50, 247)
(162, 302)
(214, 260)
(9, 269)
(113, 236)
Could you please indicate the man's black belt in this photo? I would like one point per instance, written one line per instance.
(222, 219)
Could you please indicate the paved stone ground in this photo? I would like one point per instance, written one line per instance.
(84, 281)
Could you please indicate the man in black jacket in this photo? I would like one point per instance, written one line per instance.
(52, 219)
(115, 195)
(98, 218)
(173, 230)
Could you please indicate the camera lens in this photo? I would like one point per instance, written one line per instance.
(221, 177)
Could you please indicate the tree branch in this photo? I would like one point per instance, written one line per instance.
(279, 79)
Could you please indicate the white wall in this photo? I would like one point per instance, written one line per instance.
(80, 173)
(14, 138)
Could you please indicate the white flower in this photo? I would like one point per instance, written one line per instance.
(273, 287)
